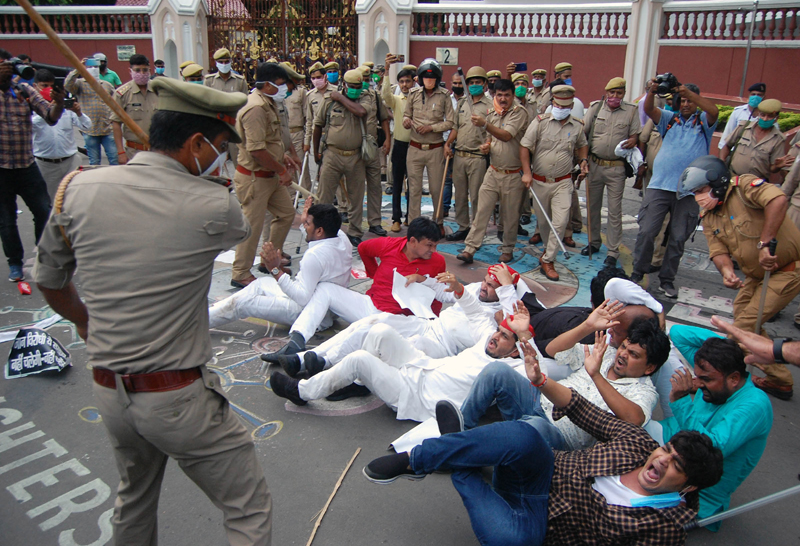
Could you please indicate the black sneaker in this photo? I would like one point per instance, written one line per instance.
(449, 417)
(352, 390)
(668, 289)
(313, 363)
(296, 345)
(286, 387)
(389, 468)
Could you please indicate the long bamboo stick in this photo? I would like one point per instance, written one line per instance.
(330, 499)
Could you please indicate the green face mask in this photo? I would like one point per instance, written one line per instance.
(520, 91)
(365, 85)
(376, 78)
(766, 123)
(353, 93)
(475, 90)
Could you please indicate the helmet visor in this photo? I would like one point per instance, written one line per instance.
(693, 179)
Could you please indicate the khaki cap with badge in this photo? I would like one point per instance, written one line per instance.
(410, 67)
(369, 64)
(331, 66)
(184, 64)
(561, 67)
(476, 72)
(192, 69)
(494, 74)
(176, 96)
(539, 72)
(770, 106)
(563, 95)
(316, 66)
(519, 76)
(616, 83)
(293, 74)
(353, 76)
(222, 53)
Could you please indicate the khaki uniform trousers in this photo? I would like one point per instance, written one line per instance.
(297, 143)
(130, 152)
(468, 174)
(576, 220)
(783, 287)
(257, 196)
(374, 190)
(417, 161)
(53, 173)
(612, 179)
(195, 426)
(556, 198)
(334, 166)
(508, 188)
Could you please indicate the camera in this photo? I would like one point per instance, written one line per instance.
(69, 102)
(666, 83)
(24, 71)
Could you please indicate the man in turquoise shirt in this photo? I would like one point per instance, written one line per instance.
(727, 407)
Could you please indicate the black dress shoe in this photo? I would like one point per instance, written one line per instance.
(344, 217)
(522, 231)
(286, 387)
(378, 230)
(525, 219)
(350, 391)
(388, 190)
(610, 261)
(313, 363)
(458, 235)
(355, 241)
(290, 364)
(296, 344)
(500, 235)
(585, 250)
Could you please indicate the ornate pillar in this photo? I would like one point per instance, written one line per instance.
(641, 57)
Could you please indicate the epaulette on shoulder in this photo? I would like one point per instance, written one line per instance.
(210, 75)
(579, 120)
(542, 117)
(237, 75)
(756, 182)
(598, 101)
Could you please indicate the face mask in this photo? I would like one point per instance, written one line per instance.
(568, 81)
(140, 78)
(224, 67)
(475, 90)
(754, 101)
(93, 71)
(364, 85)
(491, 86)
(103, 67)
(537, 83)
(766, 123)
(45, 92)
(280, 94)
(613, 102)
(376, 78)
(215, 165)
(319, 83)
(333, 77)
(160, 69)
(706, 201)
(458, 90)
(665, 500)
(520, 91)
(561, 113)
(197, 81)
(353, 93)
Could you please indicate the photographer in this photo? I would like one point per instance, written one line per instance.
(686, 136)
(99, 136)
(19, 174)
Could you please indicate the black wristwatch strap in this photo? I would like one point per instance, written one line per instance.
(777, 349)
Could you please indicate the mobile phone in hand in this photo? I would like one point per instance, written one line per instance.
(521, 67)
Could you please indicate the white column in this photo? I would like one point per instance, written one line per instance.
(641, 57)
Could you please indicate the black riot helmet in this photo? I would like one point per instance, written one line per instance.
(430, 68)
(707, 170)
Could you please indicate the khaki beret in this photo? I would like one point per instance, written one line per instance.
(293, 74)
(365, 70)
(476, 72)
(370, 64)
(316, 66)
(192, 69)
(494, 74)
(561, 67)
(770, 106)
(189, 98)
(563, 94)
(331, 66)
(184, 64)
(519, 76)
(616, 83)
(222, 54)
(410, 67)
(539, 71)
(353, 76)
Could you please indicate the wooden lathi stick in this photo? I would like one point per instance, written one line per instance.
(330, 499)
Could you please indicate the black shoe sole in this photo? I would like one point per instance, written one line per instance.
(448, 417)
(780, 395)
(384, 481)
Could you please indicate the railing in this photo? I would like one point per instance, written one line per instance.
(695, 21)
(71, 21)
(608, 21)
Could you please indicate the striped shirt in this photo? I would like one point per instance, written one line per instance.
(16, 129)
(91, 104)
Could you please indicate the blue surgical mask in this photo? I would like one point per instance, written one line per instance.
(568, 81)
(754, 101)
(766, 123)
(333, 77)
(476, 90)
(665, 500)
(537, 83)
(160, 69)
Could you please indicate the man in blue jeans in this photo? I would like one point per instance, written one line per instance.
(100, 134)
(624, 489)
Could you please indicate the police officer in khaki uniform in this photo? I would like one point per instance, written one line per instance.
(463, 145)
(493, 77)
(264, 171)
(192, 73)
(740, 217)
(224, 79)
(505, 123)
(145, 273)
(429, 113)
(757, 146)
(337, 146)
(552, 140)
(296, 109)
(607, 123)
(377, 115)
(539, 92)
(521, 82)
(139, 103)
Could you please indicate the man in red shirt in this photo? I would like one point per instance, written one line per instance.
(413, 257)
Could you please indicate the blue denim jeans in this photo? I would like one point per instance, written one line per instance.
(513, 511)
(93, 144)
(516, 399)
(28, 184)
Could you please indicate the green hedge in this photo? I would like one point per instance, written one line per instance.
(786, 120)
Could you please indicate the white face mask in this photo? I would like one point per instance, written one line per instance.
(94, 71)
(224, 67)
(561, 113)
(215, 165)
(281, 93)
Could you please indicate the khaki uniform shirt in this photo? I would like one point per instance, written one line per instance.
(530, 108)
(296, 108)
(470, 136)
(314, 100)
(145, 268)
(139, 106)
(435, 110)
(505, 155)
(753, 157)
(235, 83)
(541, 99)
(376, 111)
(343, 130)
(735, 227)
(553, 145)
(259, 125)
(607, 127)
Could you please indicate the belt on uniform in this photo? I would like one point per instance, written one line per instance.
(608, 162)
(460, 153)
(147, 382)
(344, 153)
(56, 160)
(257, 174)
(426, 146)
(504, 171)
(789, 267)
(541, 178)
(295, 129)
(136, 146)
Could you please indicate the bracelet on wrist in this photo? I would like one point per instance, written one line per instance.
(542, 384)
(459, 293)
(120, 153)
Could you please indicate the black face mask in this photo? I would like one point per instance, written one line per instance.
(458, 90)
(490, 85)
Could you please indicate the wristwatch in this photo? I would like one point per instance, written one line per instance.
(275, 271)
(761, 244)
(777, 349)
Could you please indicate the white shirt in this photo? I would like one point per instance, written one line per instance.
(638, 390)
(58, 141)
(326, 260)
(615, 492)
(740, 113)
